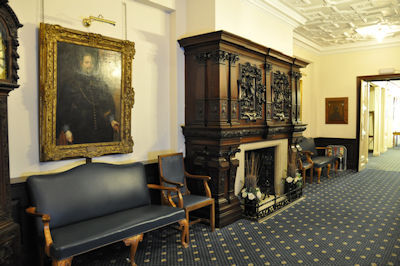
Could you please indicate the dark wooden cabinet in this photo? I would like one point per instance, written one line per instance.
(9, 230)
(236, 91)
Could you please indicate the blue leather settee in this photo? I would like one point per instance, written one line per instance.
(97, 204)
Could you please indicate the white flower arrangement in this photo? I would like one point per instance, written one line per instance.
(250, 189)
(296, 180)
(251, 193)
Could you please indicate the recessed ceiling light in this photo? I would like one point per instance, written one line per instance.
(378, 31)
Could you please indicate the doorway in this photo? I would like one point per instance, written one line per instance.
(363, 116)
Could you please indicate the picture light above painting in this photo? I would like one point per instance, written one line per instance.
(86, 94)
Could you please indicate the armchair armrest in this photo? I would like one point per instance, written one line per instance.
(326, 148)
(300, 163)
(46, 227)
(308, 155)
(204, 178)
(155, 186)
(178, 184)
(169, 189)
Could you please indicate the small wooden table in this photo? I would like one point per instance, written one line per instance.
(395, 134)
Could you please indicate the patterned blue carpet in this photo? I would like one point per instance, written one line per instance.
(349, 219)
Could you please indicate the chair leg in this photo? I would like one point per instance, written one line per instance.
(212, 216)
(133, 242)
(311, 175)
(328, 170)
(336, 166)
(184, 225)
(319, 170)
(187, 217)
(65, 262)
(303, 171)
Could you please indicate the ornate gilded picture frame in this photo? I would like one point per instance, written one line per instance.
(336, 110)
(86, 94)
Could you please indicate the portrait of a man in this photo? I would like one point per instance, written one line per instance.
(88, 95)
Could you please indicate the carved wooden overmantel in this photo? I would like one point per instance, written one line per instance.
(9, 231)
(236, 91)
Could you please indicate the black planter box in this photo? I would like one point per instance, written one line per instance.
(255, 210)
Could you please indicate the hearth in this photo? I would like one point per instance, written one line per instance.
(265, 163)
(275, 154)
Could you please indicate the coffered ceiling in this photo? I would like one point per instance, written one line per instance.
(334, 23)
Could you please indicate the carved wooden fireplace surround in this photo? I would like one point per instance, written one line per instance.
(236, 91)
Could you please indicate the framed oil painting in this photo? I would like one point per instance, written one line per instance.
(336, 110)
(86, 94)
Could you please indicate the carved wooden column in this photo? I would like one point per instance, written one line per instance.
(296, 121)
(9, 231)
(236, 92)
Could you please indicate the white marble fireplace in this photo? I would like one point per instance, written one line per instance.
(280, 162)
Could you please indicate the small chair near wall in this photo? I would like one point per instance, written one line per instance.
(172, 173)
(311, 152)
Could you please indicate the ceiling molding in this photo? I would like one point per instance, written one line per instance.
(306, 43)
(281, 11)
(353, 47)
(332, 26)
(167, 6)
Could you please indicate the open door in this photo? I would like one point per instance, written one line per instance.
(364, 117)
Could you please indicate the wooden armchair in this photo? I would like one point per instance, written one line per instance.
(172, 173)
(310, 153)
(303, 166)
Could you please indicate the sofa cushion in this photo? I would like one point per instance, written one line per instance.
(88, 191)
(81, 237)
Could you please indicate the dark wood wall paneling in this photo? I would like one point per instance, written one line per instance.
(350, 144)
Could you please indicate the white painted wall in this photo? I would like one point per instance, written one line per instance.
(148, 27)
(241, 17)
(335, 76)
(200, 17)
(158, 67)
(254, 23)
(310, 95)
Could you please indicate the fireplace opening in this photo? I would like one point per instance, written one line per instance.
(263, 160)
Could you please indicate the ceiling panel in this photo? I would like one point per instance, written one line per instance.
(334, 22)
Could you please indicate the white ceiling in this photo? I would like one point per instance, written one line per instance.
(333, 23)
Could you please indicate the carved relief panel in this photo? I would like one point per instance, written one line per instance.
(251, 92)
(281, 96)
